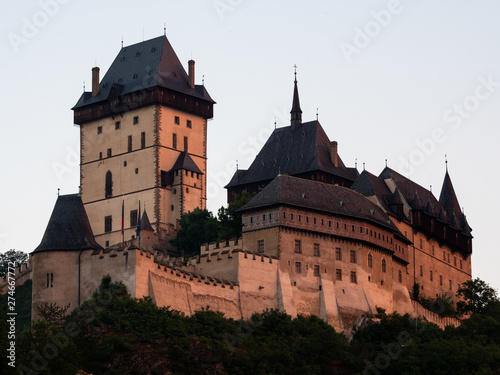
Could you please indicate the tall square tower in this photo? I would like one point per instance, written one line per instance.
(143, 139)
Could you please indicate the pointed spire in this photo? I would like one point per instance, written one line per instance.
(429, 209)
(296, 112)
(416, 202)
(448, 198)
(145, 223)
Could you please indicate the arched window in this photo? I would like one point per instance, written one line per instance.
(109, 184)
(370, 261)
(384, 266)
(400, 276)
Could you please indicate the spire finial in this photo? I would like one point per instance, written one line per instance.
(165, 29)
(356, 163)
(58, 191)
(446, 161)
(363, 166)
(431, 189)
(275, 123)
(386, 163)
(122, 41)
(236, 164)
(83, 86)
(203, 80)
(317, 114)
(295, 66)
(296, 112)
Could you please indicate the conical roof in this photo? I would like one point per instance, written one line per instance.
(448, 198)
(145, 224)
(68, 228)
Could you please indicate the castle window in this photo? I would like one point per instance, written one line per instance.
(338, 225)
(133, 218)
(137, 171)
(136, 120)
(316, 250)
(360, 229)
(284, 215)
(307, 219)
(441, 280)
(338, 274)
(188, 124)
(177, 120)
(143, 140)
(400, 276)
(460, 263)
(108, 224)
(433, 251)
(291, 216)
(450, 286)
(264, 217)
(260, 246)
(251, 219)
(352, 257)
(421, 271)
(345, 226)
(186, 144)
(455, 261)
(117, 125)
(316, 270)
(298, 267)
(431, 276)
(300, 218)
(354, 278)
(129, 143)
(370, 261)
(338, 253)
(298, 247)
(353, 228)
(109, 152)
(384, 266)
(99, 130)
(329, 223)
(174, 141)
(109, 185)
(314, 221)
(107, 242)
(48, 280)
(100, 155)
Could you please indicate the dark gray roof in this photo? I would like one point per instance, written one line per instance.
(293, 151)
(184, 161)
(68, 228)
(338, 200)
(145, 223)
(448, 198)
(141, 66)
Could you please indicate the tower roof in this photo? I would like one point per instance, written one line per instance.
(143, 66)
(184, 161)
(448, 198)
(293, 151)
(68, 228)
(296, 112)
(145, 223)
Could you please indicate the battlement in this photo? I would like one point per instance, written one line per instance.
(21, 275)
(232, 244)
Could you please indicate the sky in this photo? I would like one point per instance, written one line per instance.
(410, 82)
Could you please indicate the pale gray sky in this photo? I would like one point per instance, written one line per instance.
(393, 80)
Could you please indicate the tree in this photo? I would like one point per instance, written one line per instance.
(197, 227)
(476, 295)
(230, 217)
(11, 256)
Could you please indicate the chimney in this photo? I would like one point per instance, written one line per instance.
(334, 156)
(191, 73)
(95, 81)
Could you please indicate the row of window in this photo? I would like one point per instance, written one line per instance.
(108, 183)
(108, 221)
(177, 121)
(135, 121)
(109, 152)
(373, 233)
(446, 256)
(431, 277)
(174, 142)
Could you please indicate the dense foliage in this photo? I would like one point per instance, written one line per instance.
(200, 226)
(115, 334)
(9, 257)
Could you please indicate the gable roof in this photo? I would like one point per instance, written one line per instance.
(143, 66)
(319, 196)
(305, 148)
(68, 228)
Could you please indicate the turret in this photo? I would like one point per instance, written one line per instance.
(296, 112)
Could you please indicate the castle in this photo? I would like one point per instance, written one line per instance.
(318, 237)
